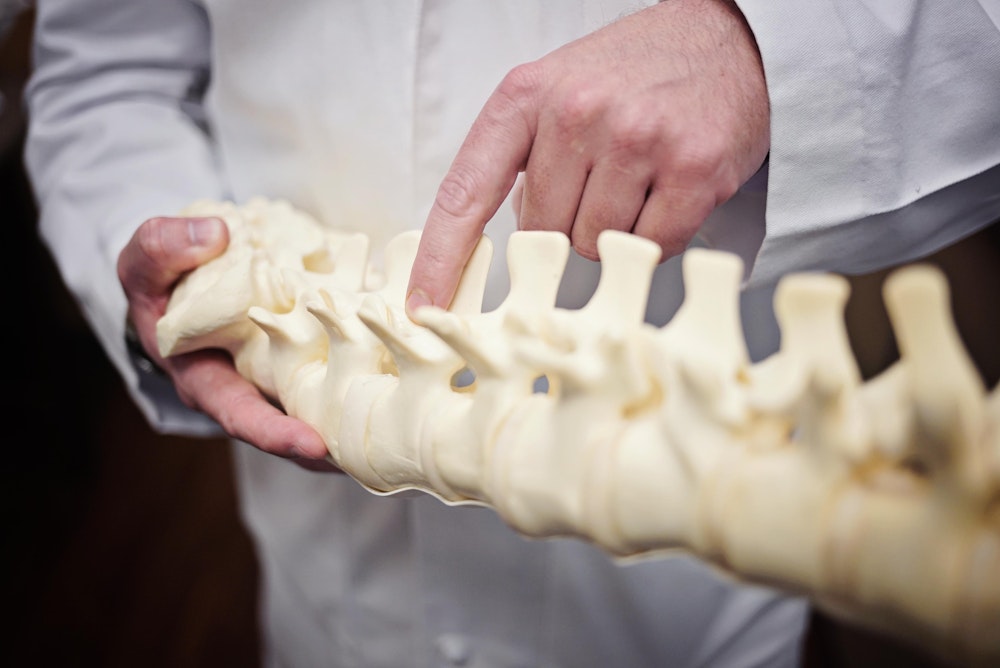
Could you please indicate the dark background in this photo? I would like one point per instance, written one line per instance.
(122, 547)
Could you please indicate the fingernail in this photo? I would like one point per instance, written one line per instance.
(204, 231)
(415, 300)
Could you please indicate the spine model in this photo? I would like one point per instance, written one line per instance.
(878, 500)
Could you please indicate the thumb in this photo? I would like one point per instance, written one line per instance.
(163, 249)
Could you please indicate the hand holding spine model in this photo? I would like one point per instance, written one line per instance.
(878, 500)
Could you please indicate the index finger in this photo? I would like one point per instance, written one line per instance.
(482, 174)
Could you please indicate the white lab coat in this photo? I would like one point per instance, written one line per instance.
(353, 110)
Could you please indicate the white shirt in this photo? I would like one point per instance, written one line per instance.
(352, 110)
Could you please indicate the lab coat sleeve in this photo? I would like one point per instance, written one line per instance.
(885, 129)
(116, 136)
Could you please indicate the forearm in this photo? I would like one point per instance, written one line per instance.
(115, 137)
(885, 136)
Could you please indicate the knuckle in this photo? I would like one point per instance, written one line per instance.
(691, 174)
(151, 237)
(701, 160)
(522, 82)
(457, 195)
(708, 169)
(146, 244)
(578, 108)
(634, 133)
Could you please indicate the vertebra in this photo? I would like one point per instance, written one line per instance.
(879, 500)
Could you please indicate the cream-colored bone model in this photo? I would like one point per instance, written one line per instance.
(878, 500)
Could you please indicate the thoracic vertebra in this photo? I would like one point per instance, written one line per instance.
(879, 500)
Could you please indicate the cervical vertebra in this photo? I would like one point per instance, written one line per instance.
(879, 500)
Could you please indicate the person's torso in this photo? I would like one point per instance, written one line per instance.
(356, 123)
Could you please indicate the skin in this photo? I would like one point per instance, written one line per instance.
(645, 125)
(158, 254)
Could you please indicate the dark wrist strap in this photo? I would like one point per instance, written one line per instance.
(140, 358)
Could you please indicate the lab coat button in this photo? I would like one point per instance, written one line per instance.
(455, 649)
